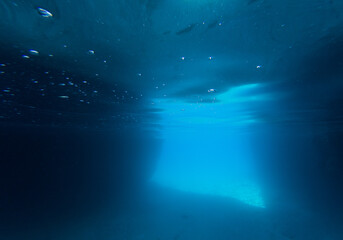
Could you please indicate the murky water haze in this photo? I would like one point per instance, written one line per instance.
(160, 119)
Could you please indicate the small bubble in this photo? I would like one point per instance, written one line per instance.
(34, 52)
(182, 58)
(64, 97)
(44, 13)
(258, 66)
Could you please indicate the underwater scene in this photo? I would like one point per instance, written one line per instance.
(171, 120)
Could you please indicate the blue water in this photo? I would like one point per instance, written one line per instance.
(171, 120)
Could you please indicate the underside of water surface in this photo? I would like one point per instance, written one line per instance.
(171, 120)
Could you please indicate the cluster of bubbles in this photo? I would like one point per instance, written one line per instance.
(36, 88)
(32, 92)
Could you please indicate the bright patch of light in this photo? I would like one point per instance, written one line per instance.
(205, 150)
(246, 192)
(209, 161)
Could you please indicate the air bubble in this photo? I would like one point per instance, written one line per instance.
(34, 52)
(44, 13)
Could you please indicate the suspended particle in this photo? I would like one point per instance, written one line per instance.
(64, 97)
(34, 52)
(25, 56)
(91, 52)
(211, 90)
(44, 13)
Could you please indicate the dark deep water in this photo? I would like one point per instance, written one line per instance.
(171, 119)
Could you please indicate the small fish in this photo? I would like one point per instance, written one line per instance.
(44, 13)
(166, 32)
(186, 30)
(212, 24)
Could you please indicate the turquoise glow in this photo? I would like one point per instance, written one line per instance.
(207, 146)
